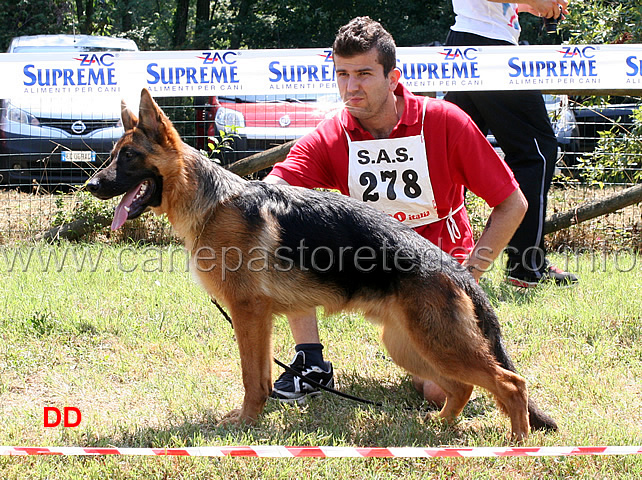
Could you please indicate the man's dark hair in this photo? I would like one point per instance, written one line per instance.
(363, 34)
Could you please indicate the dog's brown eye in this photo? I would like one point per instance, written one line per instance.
(126, 154)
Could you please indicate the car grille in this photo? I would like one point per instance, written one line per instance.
(66, 125)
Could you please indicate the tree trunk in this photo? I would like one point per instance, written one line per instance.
(201, 32)
(180, 24)
(126, 16)
(89, 17)
(85, 14)
(240, 22)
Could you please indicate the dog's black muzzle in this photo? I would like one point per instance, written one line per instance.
(102, 189)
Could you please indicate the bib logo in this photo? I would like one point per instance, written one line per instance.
(576, 64)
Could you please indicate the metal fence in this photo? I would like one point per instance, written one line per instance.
(48, 151)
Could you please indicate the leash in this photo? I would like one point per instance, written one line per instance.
(289, 369)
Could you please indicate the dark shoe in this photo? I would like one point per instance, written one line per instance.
(559, 276)
(524, 278)
(290, 388)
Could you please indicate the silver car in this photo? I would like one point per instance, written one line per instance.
(56, 141)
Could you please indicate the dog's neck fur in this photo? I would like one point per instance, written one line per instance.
(198, 184)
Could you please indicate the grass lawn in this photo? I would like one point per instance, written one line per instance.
(131, 341)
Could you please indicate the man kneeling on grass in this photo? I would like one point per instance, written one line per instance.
(409, 156)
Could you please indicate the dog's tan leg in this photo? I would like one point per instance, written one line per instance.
(404, 353)
(511, 394)
(457, 396)
(508, 388)
(456, 367)
(253, 330)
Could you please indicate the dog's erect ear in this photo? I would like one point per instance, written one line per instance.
(153, 121)
(127, 116)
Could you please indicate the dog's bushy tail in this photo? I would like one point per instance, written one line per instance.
(489, 324)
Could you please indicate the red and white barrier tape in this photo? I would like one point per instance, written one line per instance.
(328, 452)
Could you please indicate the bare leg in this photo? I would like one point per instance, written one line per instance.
(304, 327)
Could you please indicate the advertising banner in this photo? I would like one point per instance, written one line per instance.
(254, 72)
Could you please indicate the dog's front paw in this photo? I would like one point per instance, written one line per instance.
(236, 418)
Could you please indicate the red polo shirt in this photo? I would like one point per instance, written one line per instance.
(459, 157)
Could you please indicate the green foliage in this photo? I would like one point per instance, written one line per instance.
(148, 22)
(85, 207)
(617, 157)
(589, 22)
(478, 212)
(42, 323)
(233, 24)
(307, 23)
(31, 17)
(223, 141)
(603, 21)
(229, 23)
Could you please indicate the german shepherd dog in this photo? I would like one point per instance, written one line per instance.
(264, 250)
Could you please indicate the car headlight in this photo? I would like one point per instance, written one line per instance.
(20, 116)
(227, 119)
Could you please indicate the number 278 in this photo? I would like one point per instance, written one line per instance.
(409, 179)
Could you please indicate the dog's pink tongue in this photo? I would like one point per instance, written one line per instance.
(120, 215)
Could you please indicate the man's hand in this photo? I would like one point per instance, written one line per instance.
(501, 225)
(544, 8)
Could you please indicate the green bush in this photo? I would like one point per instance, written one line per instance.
(617, 157)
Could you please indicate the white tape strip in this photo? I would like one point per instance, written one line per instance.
(265, 451)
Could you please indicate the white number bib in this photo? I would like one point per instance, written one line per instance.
(392, 175)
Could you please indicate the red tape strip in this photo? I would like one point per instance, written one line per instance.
(326, 452)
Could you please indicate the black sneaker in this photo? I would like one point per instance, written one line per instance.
(290, 388)
(524, 278)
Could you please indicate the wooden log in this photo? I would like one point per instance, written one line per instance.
(589, 210)
(261, 160)
(74, 230)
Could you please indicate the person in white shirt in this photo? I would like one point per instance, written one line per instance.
(519, 121)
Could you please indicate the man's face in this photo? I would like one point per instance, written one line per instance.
(363, 87)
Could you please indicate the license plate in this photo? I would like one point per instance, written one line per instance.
(78, 156)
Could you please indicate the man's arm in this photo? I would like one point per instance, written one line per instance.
(501, 225)
(541, 8)
(275, 180)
